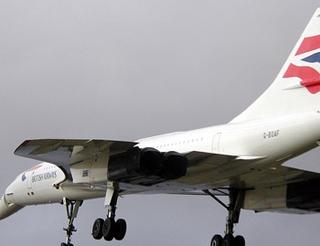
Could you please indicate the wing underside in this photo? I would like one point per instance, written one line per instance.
(69, 152)
(205, 170)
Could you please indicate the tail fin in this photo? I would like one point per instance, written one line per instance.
(297, 87)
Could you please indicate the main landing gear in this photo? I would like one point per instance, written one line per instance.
(109, 228)
(234, 208)
(72, 212)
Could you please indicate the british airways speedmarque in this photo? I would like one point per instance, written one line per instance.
(244, 159)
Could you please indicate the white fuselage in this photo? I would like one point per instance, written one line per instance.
(271, 139)
(40, 185)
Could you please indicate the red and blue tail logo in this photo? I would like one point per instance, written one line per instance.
(310, 77)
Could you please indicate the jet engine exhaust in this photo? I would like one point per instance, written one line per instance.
(147, 162)
(175, 165)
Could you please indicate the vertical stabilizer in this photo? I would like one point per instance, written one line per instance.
(297, 87)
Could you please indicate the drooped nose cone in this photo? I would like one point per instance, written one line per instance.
(7, 209)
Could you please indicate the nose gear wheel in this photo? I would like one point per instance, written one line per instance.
(72, 208)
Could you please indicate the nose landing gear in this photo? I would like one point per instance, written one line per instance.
(234, 208)
(72, 212)
(110, 229)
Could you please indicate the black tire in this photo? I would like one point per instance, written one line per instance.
(217, 240)
(228, 240)
(63, 244)
(97, 229)
(239, 241)
(108, 229)
(120, 229)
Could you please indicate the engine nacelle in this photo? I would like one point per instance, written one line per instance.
(151, 162)
(301, 197)
(145, 163)
(304, 195)
(175, 165)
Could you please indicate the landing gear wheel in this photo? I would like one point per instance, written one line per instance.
(228, 240)
(239, 241)
(97, 229)
(120, 229)
(217, 240)
(63, 244)
(108, 229)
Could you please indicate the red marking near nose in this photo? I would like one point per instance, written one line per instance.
(35, 167)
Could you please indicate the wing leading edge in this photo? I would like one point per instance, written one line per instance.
(69, 152)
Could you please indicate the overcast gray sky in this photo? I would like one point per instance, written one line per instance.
(127, 69)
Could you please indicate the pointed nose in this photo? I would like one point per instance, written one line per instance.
(7, 209)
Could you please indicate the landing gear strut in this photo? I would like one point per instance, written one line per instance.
(72, 212)
(110, 229)
(234, 208)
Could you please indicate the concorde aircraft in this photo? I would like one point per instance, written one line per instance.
(244, 160)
